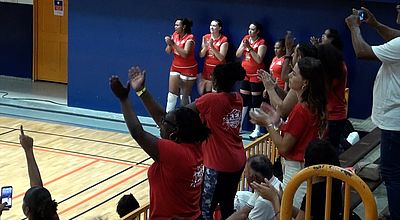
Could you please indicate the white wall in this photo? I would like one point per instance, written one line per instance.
(29, 2)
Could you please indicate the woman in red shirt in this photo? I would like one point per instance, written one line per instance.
(276, 65)
(183, 71)
(176, 175)
(214, 48)
(306, 121)
(253, 49)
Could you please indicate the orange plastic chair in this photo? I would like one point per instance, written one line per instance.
(329, 171)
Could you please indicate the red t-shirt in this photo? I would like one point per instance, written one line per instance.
(223, 150)
(336, 101)
(276, 68)
(248, 63)
(210, 58)
(175, 181)
(301, 124)
(179, 61)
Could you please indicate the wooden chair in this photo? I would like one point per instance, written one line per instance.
(329, 171)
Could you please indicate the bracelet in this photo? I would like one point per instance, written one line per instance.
(140, 92)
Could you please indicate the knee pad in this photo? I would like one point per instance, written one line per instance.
(171, 102)
(246, 99)
(256, 101)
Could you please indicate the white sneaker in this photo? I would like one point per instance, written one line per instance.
(255, 134)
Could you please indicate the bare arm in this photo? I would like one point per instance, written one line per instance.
(204, 46)
(242, 214)
(386, 32)
(146, 141)
(33, 169)
(154, 108)
(240, 50)
(285, 143)
(362, 49)
(221, 53)
(259, 56)
(169, 42)
(184, 52)
(168, 49)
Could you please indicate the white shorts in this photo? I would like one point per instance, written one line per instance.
(182, 77)
(290, 169)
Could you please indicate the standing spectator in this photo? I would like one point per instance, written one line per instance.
(176, 175)
(386, 99)
(214, 47)
(306, 122)
(183, 71)
(277, 62)
(253, 48)
(330, 36)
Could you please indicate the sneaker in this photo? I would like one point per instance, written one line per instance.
(255, 134)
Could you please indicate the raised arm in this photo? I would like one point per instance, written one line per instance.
(33, 169)
(290, 46)
(146, 141)
(386, 32)
(204, 47)
(361, 48)
(137, 81)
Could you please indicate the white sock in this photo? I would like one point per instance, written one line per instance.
(171, 102)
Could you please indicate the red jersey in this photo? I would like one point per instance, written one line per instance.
(223, 150)
(179, 61)
(336, 101)
(276, 68)
(301, 124)
(248, 63)
(175, 181)
(210, 60)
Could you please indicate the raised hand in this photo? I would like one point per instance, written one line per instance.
(274, 114)
(314, 41)
(118, 89)
(137, 78)
(259, 117)
(265, 190)
(266, 78)
(25, 141)
(289, 42)
(246, 44)
(369, 17)
(353, 20)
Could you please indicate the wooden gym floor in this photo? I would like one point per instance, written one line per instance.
(86, 170)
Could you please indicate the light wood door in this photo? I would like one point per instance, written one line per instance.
(50, 42)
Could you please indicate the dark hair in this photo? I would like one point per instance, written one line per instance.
(332, 61)
(336, 40)
(281, 42)
(261, 164)
(190, 127)
(218, 21)
(41, 205)
(187, 23)
(320, 152)
(307, 50)
(226, 75)
(127, 204)
(258, 26)
(315, 93)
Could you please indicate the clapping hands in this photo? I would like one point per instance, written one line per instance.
(266, 78)
(265, 116)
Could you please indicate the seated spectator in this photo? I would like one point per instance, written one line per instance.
(249, 205)
(318, 152)
(37, 202)
(127, 204)
(176, 175)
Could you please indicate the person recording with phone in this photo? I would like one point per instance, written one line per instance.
(386, 99)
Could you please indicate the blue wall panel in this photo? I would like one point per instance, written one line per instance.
(16, 40)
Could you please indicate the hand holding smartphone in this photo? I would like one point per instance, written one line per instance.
(362, 15)
(6, 196)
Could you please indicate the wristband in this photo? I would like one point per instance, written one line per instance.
(252, 201)
(140, 92)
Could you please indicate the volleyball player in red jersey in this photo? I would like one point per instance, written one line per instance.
(214, 48)
(253, 49)
(183, 72)
(276, 65)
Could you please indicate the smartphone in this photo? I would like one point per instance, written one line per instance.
(362, 15)
(6, 195)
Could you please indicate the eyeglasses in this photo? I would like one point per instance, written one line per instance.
(165, 121)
